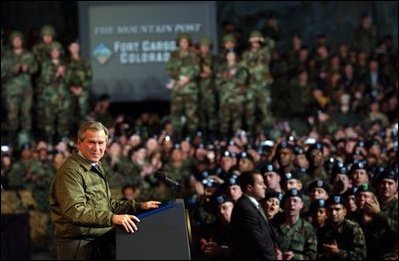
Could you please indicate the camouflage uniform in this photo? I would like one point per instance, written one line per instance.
(18, 91)
(79, 74)
(390, 212)
(32, 180)
(350, 240)
(231, 84)
(6, 63)
(258, 94)
(207, 97)
(42, 50)
(378, 235)
(121, 172)
(57, 99)
(300, 239)
(184, 99)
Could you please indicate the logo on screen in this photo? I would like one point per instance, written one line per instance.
(102, 53)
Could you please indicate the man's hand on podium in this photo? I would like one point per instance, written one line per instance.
(149, 205)
(127, 221)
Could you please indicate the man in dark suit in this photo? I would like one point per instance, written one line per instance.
(251, 234)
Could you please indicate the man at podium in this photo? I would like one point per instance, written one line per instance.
(82, 210)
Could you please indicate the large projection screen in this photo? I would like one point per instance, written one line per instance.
(128, 43)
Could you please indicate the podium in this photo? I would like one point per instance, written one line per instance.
(162, 235)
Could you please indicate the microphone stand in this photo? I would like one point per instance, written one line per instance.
(175, 190)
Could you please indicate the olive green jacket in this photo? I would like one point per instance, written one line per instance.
(80, 200)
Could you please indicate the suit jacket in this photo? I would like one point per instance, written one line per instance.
(251, 234)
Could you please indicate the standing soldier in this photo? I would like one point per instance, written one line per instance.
(19, 88)
(207, 104)
(78, 79)
(183, 68)
(231, 83)
(41, 50)
(257, 60)
(55, 95)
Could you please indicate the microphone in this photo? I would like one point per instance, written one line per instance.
(170, 182)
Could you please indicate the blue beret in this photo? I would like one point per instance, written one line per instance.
(271, 193)
(318, 203)
(209, 183)
(319, 184)
(388, 174)
(335, 199)
(290, 175)
(268, 167)
(222, 199)
(350, 192)
(340, 169)
(232, 180)
(245, 155)
(316, 146)
(293, 193)
(358, 165)
(284, 145)
(227, 154)
(299, 150)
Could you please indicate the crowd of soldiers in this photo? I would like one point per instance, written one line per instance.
(338, 192)
(320, 127)
(43, 82)
(256, 86)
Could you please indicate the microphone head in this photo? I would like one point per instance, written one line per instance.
(159, 176)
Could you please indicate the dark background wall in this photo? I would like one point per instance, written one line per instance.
(337, 19)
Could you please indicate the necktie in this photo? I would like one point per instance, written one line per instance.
(96, 168)
(262, 213)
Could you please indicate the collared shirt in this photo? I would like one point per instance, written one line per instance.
(254, 201)
(95, 165)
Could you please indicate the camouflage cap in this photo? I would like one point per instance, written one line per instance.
(256, 36)
(184, 36)
(47, 30)
(205, 41)
(229, 38)
(56, 45)
(15, 34)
